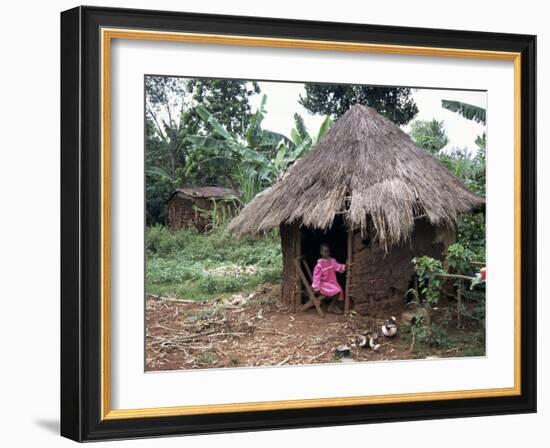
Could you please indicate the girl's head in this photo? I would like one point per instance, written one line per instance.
(324, 250)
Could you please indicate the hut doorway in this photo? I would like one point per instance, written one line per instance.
(335, 237)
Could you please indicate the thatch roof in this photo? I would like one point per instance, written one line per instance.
(368, 167)
(208, 192)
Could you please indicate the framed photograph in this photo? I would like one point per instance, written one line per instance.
(272, 223)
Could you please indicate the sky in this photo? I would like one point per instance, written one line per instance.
(282, 103)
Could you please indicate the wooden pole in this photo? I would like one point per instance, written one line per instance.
(456, 276)
(310, 292)
(459, 304)
(348, 271)
(298, 283)
(306, 268)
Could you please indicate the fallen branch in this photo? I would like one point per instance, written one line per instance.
(313, 358)
(284, 361)
(169, 299)
(208, 335)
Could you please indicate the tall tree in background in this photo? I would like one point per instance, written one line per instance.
(336, 99)
(225, 99)
(464, 163)
(165, 104)
(430, 135)
(171, 117)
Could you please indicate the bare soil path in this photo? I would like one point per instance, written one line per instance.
(255, 330)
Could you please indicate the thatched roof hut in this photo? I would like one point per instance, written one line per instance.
(367, 165)
(192, 206)
(367, 176)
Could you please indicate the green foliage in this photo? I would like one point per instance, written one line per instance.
(212, 284)
(226, 99)
(468, 111)
(221, 212)
(336, 99)
(470, 168)
(429, 270)
(210, 312)
(477, 298)
(429, 135)
(471, 227)
(471, 233)
(207, 358)
(252, 164)
(459, 259)
(184, 263)
(437, 337)
(300, 135)
(429, 281)
(171, 117)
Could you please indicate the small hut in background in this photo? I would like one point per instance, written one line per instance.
(374, 196)
(197, 206)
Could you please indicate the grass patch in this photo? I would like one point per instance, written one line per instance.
(206, 313)
(470, 342)
(180, 264)
(207, 358)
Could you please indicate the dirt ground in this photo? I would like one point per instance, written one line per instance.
(256, 330)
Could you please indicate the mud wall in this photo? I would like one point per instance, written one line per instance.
(379, 279)
(290, 238)
(183, 213)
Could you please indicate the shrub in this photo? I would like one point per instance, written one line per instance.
(178, 262)
(206, 358)
(429, 281)
(471, 233)
(221, 283)
(437, 337)
(459, 259)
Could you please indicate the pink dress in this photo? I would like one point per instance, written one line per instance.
(324, 277)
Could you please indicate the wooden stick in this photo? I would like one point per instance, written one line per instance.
(457, 276)
(348, 272)
(310, 292)
(284, 361)
(309, 304)
(169, 299)
(306, 267)
(313, 358)
(459, 304)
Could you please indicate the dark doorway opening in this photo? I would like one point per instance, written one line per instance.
(335, 237)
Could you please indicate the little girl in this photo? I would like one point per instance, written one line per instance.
(324, 278)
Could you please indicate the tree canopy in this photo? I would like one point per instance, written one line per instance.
(334, 100)
(171, 117)
(430, 135)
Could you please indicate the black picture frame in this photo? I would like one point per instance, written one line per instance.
(81, 224)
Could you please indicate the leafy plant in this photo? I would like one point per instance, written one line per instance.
(395, 103)
(428, 271)
(207, 358)
(430, 135)
(254, 163)
(437, 337)
(468, 111)
(459, 259)
(191, 265)
(429, 281)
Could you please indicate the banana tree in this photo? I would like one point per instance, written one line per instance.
(255, 162)
(468, 111)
